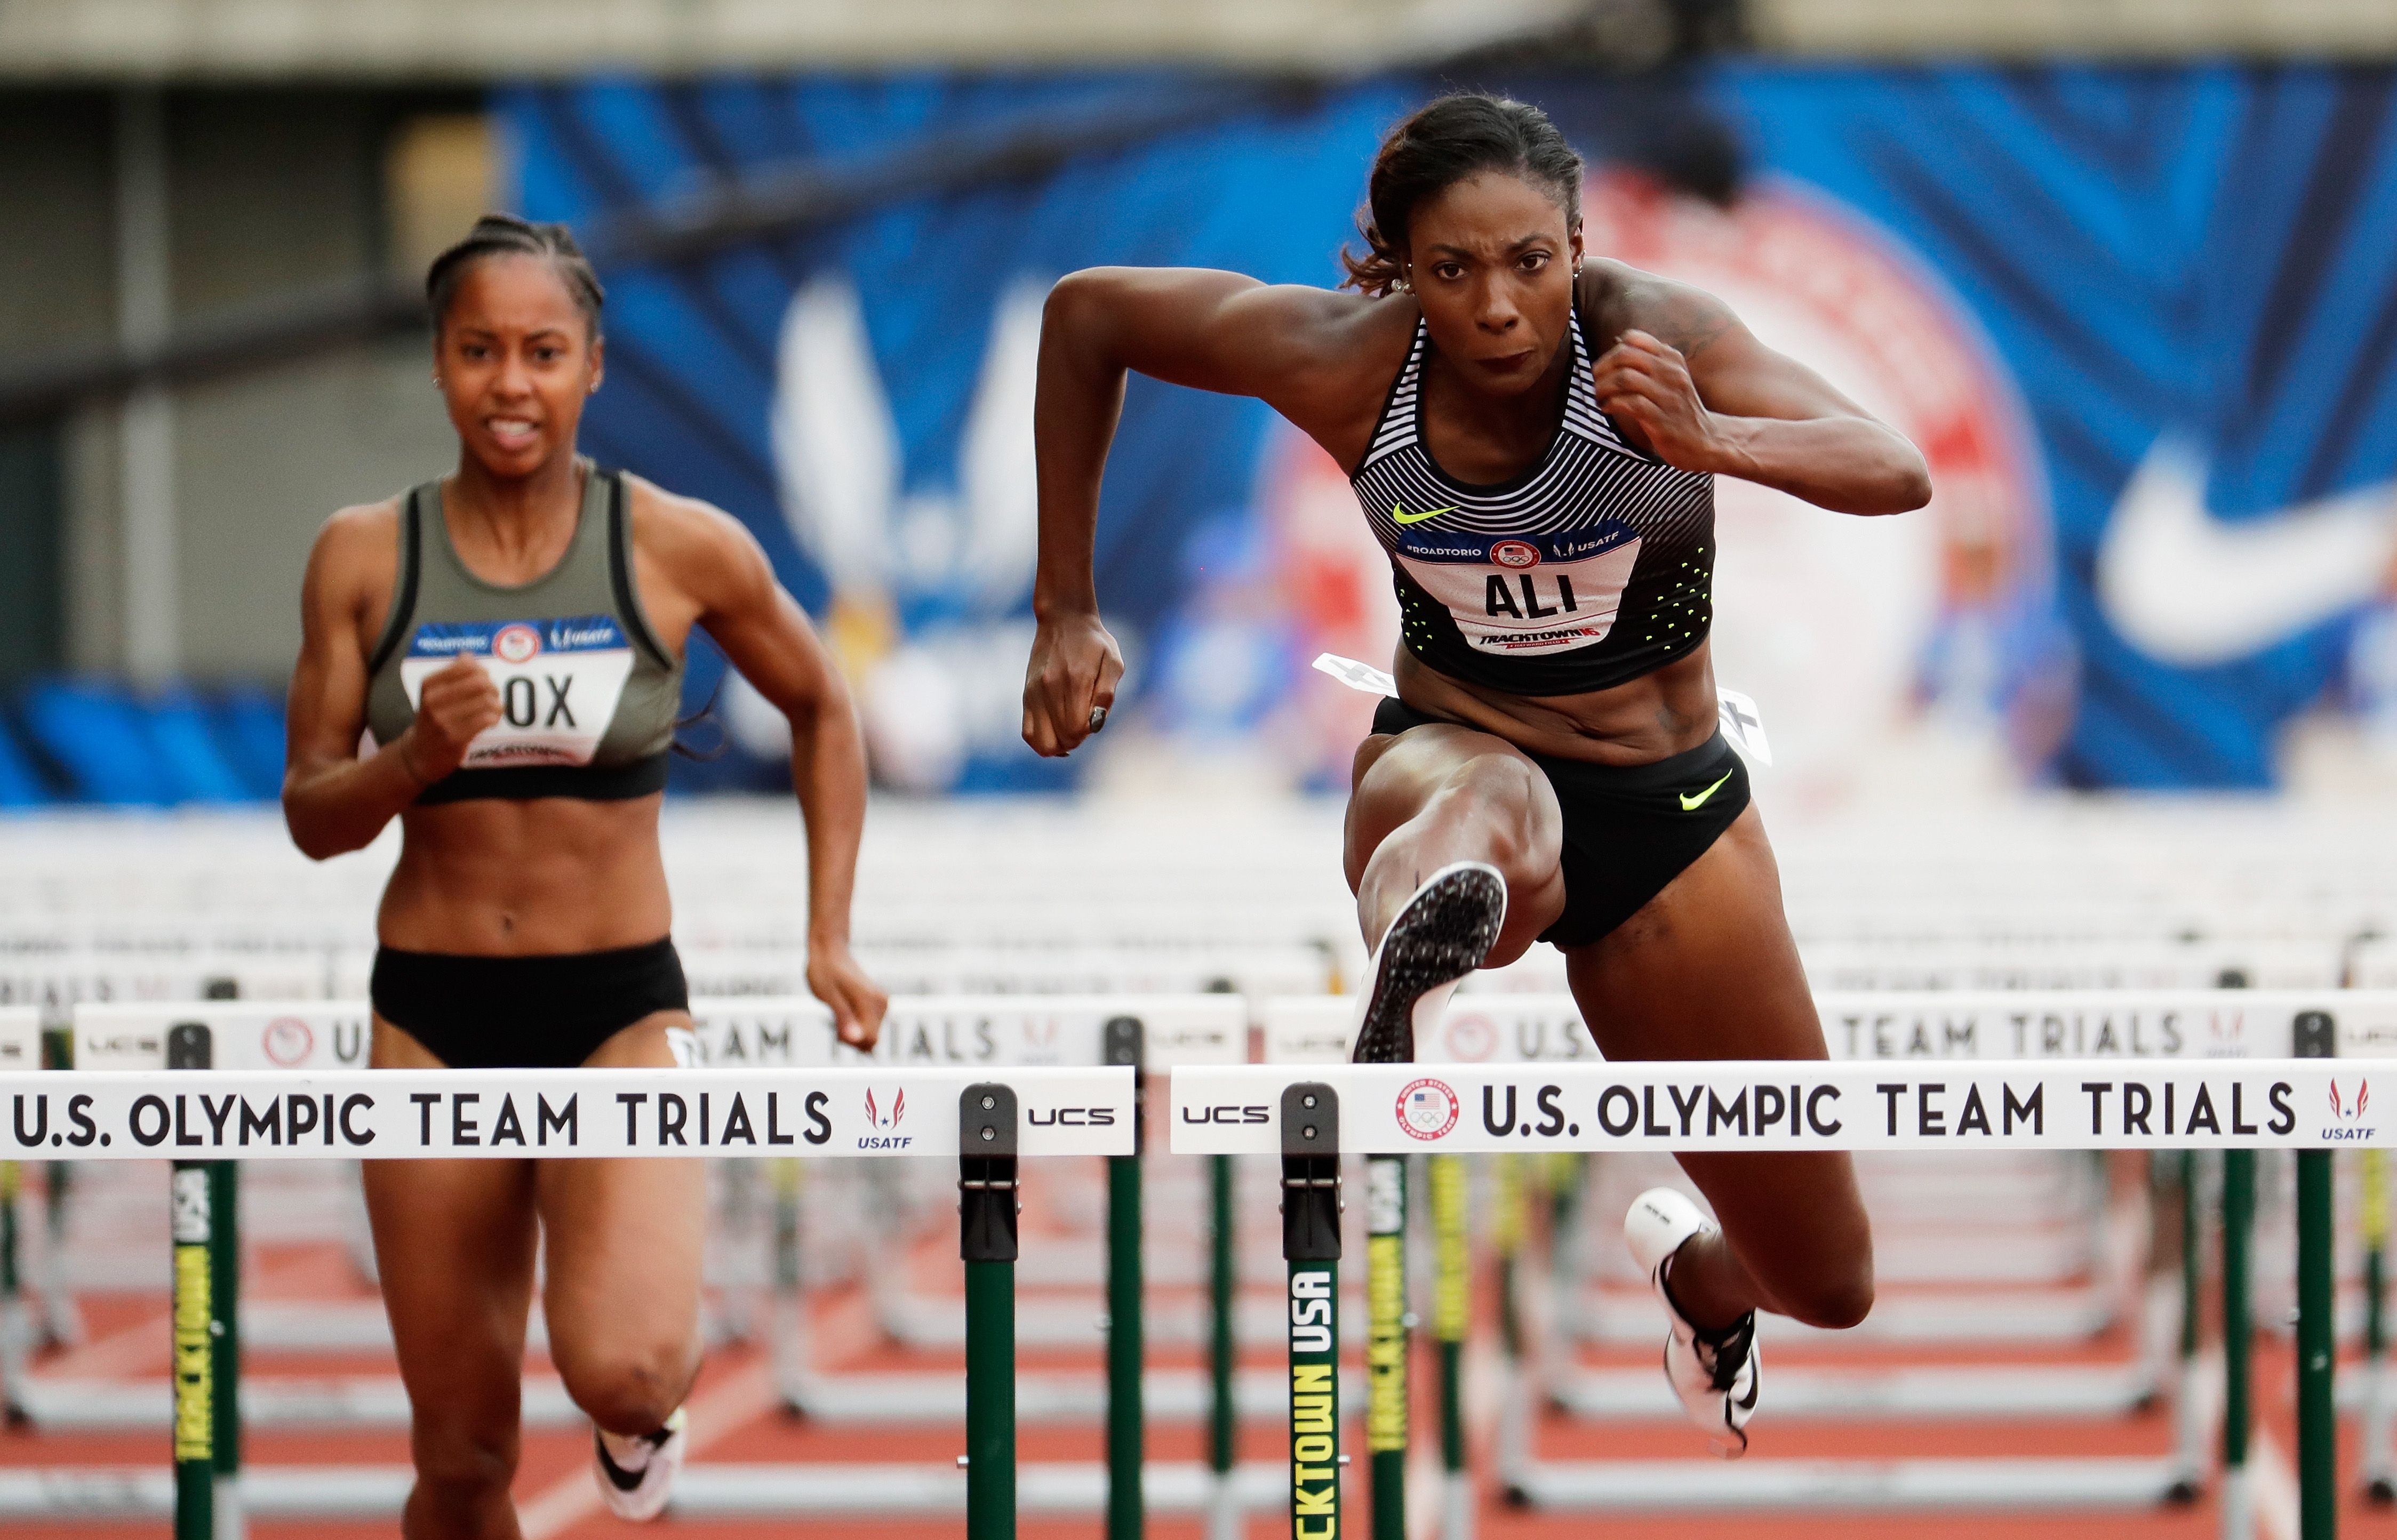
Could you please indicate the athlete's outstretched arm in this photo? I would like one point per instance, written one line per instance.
(1209, 330)
(766, 634)
(332, 800)
(1705, 396)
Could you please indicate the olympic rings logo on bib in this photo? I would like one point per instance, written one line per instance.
(1515, 553)
(516, 644)
(1427, 1109)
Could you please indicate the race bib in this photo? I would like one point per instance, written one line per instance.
(559, 680)
(1523, 596)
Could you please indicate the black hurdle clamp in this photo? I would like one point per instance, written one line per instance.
(986, 1186)
(1310, 1172)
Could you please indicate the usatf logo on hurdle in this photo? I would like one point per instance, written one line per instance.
(2350, 1110)
(883, 1122)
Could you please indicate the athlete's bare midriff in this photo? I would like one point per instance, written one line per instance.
(503, 877)
(1651, 717)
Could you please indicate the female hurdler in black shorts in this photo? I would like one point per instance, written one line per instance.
(513, 634)
(1533, 440)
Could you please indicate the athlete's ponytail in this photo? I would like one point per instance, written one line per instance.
(504, 235)
(1447, 142)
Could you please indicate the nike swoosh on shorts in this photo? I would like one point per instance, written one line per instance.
(1693, 802)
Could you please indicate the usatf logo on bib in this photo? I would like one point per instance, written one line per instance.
(559, 681)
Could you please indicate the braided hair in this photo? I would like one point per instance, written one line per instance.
(504, 235)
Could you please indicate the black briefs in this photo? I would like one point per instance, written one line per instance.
(1629, 829)
(536, 1012)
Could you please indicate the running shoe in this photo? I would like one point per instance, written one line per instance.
(1442, 933)
(1714, 1372)
(636, 1474)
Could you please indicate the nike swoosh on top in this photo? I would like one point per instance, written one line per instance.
(1692, 803)
(1398, 514)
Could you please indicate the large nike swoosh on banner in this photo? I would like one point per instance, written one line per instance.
(2187, 588)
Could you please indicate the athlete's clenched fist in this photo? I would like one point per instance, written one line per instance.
(459, 701)
(1070, 685)
(1644, 386)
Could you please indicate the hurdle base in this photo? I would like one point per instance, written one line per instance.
(1963, 1392)
(1067, 1487)
(268, 1401)
(906, 1399)
(1848, 1485)
(267, 1491)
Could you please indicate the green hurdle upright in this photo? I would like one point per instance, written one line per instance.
(1513, 1445)
(1223, 1445)
(986, 1238)
(2238, 1337)
(1126, 1514)
(1311, 1245)
(2188, 1428)
(1451, 1309)
(2315, 1038)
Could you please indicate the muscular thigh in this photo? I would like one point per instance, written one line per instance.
(623, 1238)
(454, 1246)
(1396, 778)
(1707, 970)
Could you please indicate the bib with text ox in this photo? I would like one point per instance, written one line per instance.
(559, 680)
(1525, 595)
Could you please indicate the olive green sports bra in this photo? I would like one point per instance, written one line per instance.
(588, 694)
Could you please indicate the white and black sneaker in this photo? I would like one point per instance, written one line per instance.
(1714, 1372)
(636, 1474)
(1445, 929)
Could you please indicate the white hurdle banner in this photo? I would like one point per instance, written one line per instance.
(511, 1114)
(1895, 1025)
(1796, 1105)
(961, 1031)
(760, 1076)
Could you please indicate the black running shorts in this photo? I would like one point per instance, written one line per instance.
(1629, 829)
(532, 1013)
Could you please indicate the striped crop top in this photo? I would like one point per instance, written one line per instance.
(1592, 566)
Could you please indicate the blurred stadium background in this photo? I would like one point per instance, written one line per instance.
(2127, 271)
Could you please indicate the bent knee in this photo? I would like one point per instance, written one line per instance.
(631, 1393)
(1834, 1299)
(1508, 794)
(460, 1460)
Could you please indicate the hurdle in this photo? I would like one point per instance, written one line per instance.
(2146, 1033)
(196, 1114)
(973, 1035)
(2230, 1105)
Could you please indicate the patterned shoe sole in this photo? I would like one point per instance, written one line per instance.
(1442, 934)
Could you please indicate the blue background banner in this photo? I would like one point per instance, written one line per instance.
(2187, 276)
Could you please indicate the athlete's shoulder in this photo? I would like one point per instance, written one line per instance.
(354, 563)
(359, 543)
(1616, 298)
(689, 536)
